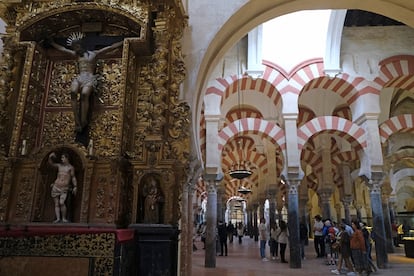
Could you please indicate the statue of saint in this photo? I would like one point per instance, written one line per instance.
(152, 201)
(84, 84)
(62, 185)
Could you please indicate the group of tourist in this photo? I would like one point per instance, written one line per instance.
(225, 232)
(344, 244)
(278, 239)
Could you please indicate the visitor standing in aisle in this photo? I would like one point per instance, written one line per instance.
(240, 231)
(318, 237)
(222, 233)
(263, 239)
(273, 243)
(283, 240)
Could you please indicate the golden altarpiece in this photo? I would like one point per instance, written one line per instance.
(137, 135)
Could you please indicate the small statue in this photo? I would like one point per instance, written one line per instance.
(152, 201)
(61, 186)
(83, 85)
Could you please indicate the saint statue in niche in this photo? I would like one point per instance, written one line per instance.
(65, 183)
(152, 200)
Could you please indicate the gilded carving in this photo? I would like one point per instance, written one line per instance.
(58, 128)
(24, 196)
(136, 113)
(99, 247)
(59, 92)
(107, 134)
(24, 90)
(27, 14)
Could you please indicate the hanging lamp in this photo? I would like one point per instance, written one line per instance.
(240, 170)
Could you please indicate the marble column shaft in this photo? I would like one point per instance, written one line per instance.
(210, 251)
(387, 226)
(293, 224)
(378, 223)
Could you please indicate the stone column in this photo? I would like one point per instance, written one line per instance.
(210, 252)
(293, 223)
(346, 201)
(303, 204)
(348, 190)
(272, 204)
(325, 197)
(374, 188)
(358, 207)
(255, 225)
(392, 202)
(220, 206)
(338, 208)
(387, 220)
(250, 223)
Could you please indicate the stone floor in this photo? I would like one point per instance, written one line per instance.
(243, 260)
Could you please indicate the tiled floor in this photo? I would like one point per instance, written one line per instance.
(243, 260)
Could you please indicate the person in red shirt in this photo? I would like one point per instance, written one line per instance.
(358, 249)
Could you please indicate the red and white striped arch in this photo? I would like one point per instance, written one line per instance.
(344, 156)
(242, 112)
(400, 123)
(295, 80)
(310, 158)
(397, 71)
(224, 87)
(252, 126)
(351, 132)
(345, 86)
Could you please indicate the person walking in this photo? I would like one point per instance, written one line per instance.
(263, 239)
(344, 249)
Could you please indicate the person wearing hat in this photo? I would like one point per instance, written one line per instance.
(319, 242)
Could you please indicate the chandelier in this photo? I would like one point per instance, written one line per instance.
(240, 170)
(244, 191)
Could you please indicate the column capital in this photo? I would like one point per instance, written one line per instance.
(325, 194)
(347, 200)
(293, 183)
(211, 186)
(374, 187)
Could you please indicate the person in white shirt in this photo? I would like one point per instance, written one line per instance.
(318, 237)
